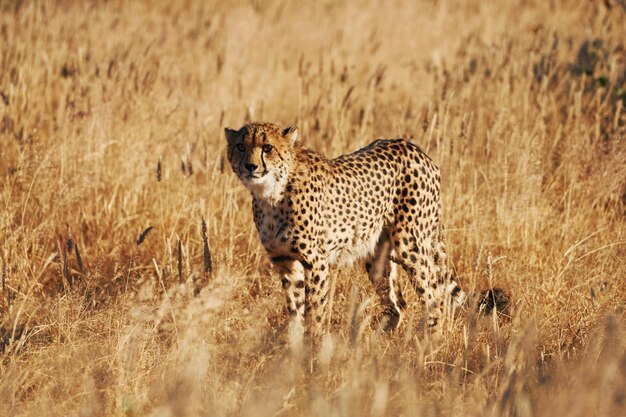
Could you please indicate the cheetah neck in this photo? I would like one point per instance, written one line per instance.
(270, 188)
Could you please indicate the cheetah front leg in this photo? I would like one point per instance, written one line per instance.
(292, 274)
(306, 291)
(316, 313)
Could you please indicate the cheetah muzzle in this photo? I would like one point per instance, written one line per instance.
(380, 203)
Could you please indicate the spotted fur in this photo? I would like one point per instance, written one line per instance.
(380, 203)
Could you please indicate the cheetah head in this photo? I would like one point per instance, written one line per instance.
(262, 154)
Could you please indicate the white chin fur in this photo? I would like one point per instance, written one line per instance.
(266, 188)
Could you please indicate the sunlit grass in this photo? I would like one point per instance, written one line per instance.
(116, 301)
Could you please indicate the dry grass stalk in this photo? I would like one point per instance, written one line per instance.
(179, 262)
(189, 167)
(63, 249)
(206, 252)
(79, 259)
(4, 276)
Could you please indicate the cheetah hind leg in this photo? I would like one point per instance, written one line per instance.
(485, 301)
(416, 256)
(453, 295)
(384, 277)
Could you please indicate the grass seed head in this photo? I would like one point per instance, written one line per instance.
(206, 251)
(143, 235)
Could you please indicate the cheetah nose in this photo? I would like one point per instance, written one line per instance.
(251, 167)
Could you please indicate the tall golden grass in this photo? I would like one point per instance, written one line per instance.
(111, 120)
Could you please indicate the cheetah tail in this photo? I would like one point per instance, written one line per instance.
(494, 298)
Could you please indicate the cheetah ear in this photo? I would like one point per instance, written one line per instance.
(291, 134)
(231, 135)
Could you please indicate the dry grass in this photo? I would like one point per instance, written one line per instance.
(111, 122)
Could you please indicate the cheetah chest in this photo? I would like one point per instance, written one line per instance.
(273, 227)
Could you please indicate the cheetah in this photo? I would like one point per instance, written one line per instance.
(380, 203)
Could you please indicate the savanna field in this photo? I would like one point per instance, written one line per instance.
(133, 279)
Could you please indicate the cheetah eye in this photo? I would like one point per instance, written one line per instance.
(240, 147)
(267, 148)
